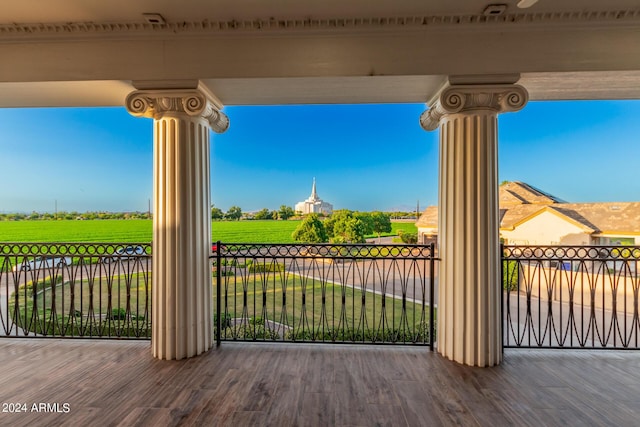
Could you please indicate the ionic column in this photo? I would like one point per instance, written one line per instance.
(181, 278)
(468, 313)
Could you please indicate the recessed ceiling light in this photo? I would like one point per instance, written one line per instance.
(494, 9)
(523, 4)
(154, 18)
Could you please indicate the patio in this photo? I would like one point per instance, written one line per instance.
(119, 383)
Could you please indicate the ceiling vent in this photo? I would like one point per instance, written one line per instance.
(154, 18)
(495, 10)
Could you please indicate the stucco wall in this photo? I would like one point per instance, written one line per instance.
(547, 229)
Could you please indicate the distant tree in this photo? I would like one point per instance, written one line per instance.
(285, 212)
(16, 216)
(344, 226)
(234, 213)
(381, 223)
(310, 230)
(216, 213)
(263, 214)
(274, 215)
(367, 222)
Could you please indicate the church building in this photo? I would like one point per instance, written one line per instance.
(314, 204)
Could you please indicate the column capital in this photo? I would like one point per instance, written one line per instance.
(469, 98)
(192, 102)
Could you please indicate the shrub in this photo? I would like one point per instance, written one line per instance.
(117, 314)
(409, 238)
(250, 332)
(510, 275)
(256, 321)
(417, 334)
(225, 320)
(42, 323)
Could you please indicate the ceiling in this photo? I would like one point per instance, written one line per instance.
(264, 52)
(51, 11)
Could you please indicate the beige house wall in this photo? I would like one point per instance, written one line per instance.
(427, 235)
(546, 229)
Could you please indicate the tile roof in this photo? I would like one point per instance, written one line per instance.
(620, 217)
(429, 218)
(517, 193)
(520, 201)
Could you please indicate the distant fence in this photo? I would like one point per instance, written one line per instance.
(95, 290)
(327, 293)
(571, 296)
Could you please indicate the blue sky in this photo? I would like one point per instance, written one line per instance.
(364, 157)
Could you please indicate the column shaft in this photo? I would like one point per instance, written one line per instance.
(182, 305)
(469, 299)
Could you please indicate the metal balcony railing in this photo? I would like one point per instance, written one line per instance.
(571, 297)
(95, 290)
(553, 296)
(325, 293)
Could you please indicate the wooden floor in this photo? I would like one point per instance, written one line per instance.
(108, 383)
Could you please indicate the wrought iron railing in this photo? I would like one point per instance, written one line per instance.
(553, 296)
(75, 290)
(325, 293)
(571, 296)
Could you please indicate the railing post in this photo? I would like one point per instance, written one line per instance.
(432, 282)
(218, 294)
(501, 290)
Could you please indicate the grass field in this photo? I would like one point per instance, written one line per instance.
(110, 230)
(141, 231)
(97, 306)
(313, 310)
(327, 306)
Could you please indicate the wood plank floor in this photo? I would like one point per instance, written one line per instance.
(111, 383)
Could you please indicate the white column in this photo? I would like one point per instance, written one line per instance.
(468, 314)
(182, 321)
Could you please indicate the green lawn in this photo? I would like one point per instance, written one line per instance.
(253, 231)
(309, 308)
(109, 230)
(140, 230)
(89, 307)
(314, 310)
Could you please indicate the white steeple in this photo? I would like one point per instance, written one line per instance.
(314, 194)
(314, 204)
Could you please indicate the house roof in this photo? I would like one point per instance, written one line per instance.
(429, 218)
(567, 215)
(517, 193)
(520, 202)
(612, 217)
(514, 215)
